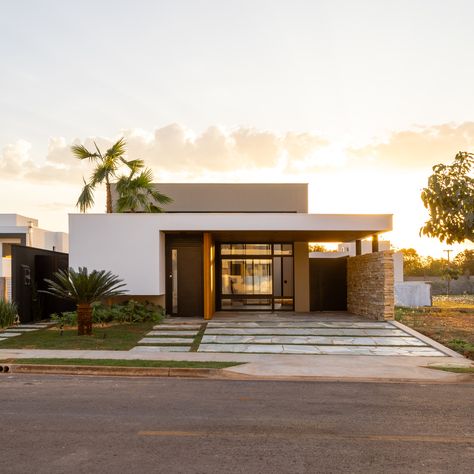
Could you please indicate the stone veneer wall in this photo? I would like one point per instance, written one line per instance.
(370, 282)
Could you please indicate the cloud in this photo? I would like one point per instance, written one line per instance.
(421, 147)
(176, 152)
(170, 149)
(14, 158)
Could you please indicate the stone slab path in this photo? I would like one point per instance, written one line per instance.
(169, 338)
(381, 338)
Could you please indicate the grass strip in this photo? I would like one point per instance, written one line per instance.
(197, 340)
(126, 363)
(458, 370)
(117, 337)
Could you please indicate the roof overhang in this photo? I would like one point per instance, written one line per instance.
(266, 227)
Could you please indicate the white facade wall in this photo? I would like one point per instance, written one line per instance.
(45, 239)
(132, 245)
(129, 245)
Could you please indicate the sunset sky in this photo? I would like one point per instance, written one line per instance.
(358, 98)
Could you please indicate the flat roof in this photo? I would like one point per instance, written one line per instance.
(245, 227)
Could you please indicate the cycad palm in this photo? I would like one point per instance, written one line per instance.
(107, 166)
(137, 193)
(84, 288)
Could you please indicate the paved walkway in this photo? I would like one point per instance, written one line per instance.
(294, 334)
(346, 334)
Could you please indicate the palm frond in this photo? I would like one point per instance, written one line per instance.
(138, 193)
(134, 165)
(102, 172)
(117, 149)
(81, 152)
(84, 287)
(86, 198)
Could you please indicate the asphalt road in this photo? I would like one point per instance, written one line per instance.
(61, 424)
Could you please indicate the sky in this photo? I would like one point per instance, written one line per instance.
(357, 98)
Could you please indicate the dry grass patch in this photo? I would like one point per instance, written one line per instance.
(450, 322)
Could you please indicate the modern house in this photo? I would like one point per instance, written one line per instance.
(239, 247)
(16, 231)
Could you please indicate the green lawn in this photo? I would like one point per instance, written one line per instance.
(126, 363)
(119, 337)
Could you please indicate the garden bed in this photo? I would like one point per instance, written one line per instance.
(450, 322)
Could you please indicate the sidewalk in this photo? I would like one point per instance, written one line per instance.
(286, 366)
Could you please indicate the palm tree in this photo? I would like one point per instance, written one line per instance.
(107, 166)
(84, 288)
(137, 193)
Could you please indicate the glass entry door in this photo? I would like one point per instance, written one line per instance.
(256, 277)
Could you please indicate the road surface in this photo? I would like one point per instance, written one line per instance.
(64, 424)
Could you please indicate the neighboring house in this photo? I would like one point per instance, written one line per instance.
(20, 230)
(238, 247)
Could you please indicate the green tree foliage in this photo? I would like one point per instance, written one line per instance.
(416, 265)
(106, 168)
(138, 194)
(449, 198)
(84, 289)
(413, 264)
(465, 261)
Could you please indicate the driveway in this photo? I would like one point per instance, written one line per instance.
(294, 333)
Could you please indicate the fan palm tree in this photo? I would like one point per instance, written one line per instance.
(137, 193)
(84, 288)
(107, 166)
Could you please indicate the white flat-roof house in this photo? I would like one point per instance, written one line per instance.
(16, 229)
(238, 247)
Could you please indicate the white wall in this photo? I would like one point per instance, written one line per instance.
(45, 239)
(397, 267)
(132, 245)
(411, 294)
(128, 247)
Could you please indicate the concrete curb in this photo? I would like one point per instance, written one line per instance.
(105, 370)
(203, 373)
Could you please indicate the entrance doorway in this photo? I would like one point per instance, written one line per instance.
(255, 277)
(184, 271)
(328, 284)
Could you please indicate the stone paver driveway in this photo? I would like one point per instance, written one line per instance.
(287, 337)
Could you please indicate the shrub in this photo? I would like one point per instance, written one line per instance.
(130, 311)
(8, 313)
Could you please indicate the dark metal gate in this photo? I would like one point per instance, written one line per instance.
(30, 266)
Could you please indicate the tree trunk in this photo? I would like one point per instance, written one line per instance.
(84, 319)
(109, 197)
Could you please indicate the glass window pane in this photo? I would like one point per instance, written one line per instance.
(225, 249)
(283, 249)
(174, 280)
(246, 277)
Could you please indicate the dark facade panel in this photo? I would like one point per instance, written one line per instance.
(30, 266)
(328, 284)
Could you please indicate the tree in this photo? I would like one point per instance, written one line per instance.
(137, 193)
(449, 198)
(465, 261)
(413, 264)
(317, 248)
(106, 169)
(84, 288)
